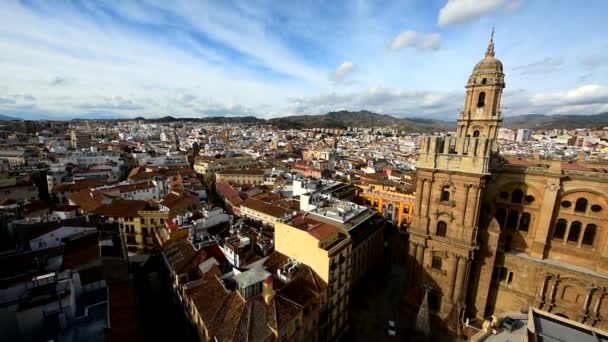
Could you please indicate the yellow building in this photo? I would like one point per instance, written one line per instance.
(396, 207)
(136, 221)
(328, 252)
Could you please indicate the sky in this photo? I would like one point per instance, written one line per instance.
(105, 59)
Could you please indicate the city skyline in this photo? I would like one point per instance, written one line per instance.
(106, 59)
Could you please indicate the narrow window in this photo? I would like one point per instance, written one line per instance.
(524, 222)
(484, 81)
(476, 134)
(517, 196)
(575, 231)
(589, 235)
(445, 193)
(581, 205)
(481, 100)
(560, 229)
(436, 263)
(442, 228)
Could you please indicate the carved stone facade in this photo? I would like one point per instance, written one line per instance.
(490, 235)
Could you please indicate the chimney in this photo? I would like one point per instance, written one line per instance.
(268, 290)
(388, 170)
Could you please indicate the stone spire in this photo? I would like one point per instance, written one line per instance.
(490, 50)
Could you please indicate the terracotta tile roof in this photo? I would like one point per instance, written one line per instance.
(319, 230)
(264, 207)
(572, 166)
(184, 202)
(77, 186)
(86, 200)
(182, 255)
(230, 317)
(121, 208)
(165, 172)
(228, 193)
(258, 172)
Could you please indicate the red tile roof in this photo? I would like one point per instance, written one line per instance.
(319, 230)
(264, 207)
(228, 193)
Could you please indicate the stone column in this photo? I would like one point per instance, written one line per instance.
(451, 269)
(552, 293)
(426, 199)
(460, 279)
(466, 203)
(471, 212)
(541, 293)
(543, 226)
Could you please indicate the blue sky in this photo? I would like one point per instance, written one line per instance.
(151, 58)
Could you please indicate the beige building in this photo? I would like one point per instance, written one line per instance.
(328, 252)
(491, 235)
(244, 176)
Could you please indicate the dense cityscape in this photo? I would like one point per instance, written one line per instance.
(345, 226)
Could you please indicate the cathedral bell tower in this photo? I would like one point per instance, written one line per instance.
(451, 175)
(481, 115)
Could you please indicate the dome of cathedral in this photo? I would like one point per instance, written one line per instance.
(488, 64)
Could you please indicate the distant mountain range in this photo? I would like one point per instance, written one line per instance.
(541, 121)
(340, 120)
(4, 117)
(344, 119)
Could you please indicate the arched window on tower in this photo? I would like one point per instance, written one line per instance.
(481, 100)
(574, 232)
(589, 235)
(517, 196)
(560, 229)
(524, 222)
(445, 194)
(581, 205)
(442, 228)
(484, 81)
(476, 134)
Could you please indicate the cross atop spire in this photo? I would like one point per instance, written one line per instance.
(490, 50)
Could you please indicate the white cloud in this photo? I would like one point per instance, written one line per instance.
(460, 11)
(422, 41)
(542, 66)
(342, 72)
